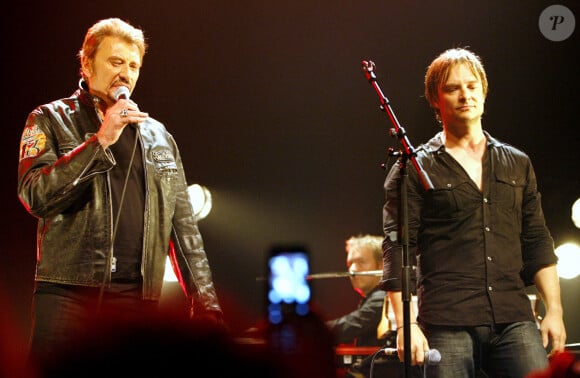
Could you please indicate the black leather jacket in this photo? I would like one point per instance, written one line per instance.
(63, 180)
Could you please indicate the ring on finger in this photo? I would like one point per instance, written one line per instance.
(124, 113)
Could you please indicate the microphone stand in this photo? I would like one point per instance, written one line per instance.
(408, 153)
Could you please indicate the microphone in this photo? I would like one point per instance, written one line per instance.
(432, 356)
(121, 92)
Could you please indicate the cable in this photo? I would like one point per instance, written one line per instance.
(118, 215)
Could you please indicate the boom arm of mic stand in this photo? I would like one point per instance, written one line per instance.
(408, 153)
(377, 273)
(313, 276)
(408, 150)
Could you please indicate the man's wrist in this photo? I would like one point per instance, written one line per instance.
(401, 327)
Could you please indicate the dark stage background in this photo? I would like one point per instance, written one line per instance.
(273, 114)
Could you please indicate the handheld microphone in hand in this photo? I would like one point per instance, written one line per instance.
(121, 92)
(432, 356)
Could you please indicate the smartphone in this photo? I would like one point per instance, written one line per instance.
(288, 290)
(298, 338)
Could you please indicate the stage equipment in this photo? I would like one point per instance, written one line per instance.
(337, 275)
(407, 153)
(344, 274)
(353, 361)
(568, 260)
(201, 200)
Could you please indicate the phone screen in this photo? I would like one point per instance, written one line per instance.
(295, 334)
(288, 291)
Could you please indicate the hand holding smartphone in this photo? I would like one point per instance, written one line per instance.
(296, 334)
(288, 291)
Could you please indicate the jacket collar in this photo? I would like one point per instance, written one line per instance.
(85, 96)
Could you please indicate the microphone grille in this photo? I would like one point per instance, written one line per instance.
(121, 92)
(432, 356)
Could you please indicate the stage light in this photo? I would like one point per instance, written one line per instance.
(201, 201)
(169, 275)
(576, 213)
(568, 260)
(200, 198)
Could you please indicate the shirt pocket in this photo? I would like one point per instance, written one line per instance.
(507, 191)
(450, 197)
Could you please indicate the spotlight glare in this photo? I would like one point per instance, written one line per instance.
(169, 275)
(576, 213)
(568, 260)
(201, 201)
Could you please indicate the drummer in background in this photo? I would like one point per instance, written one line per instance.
(359, 327)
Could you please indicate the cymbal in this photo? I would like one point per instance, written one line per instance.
(377, 273)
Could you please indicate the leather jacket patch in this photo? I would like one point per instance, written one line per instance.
(162, 156)
(32, 142)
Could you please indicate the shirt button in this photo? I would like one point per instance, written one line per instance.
(449, 185)
(489, 258)
(487, 229)
(490, 288)
(485, 200)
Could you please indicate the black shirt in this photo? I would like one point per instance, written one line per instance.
(128, 243)
(475, 251)
(359, 327)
